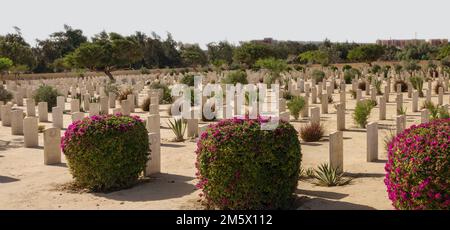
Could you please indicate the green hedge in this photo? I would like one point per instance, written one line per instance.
(241, 166)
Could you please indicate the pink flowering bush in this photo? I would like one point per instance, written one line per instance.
(106, 152)
(418, 167)
(241, 166)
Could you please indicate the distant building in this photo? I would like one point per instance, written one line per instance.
(438, 42)
(402, 43)
(269, 41)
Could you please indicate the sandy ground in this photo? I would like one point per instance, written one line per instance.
(26, 183)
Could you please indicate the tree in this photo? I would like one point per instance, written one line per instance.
(366, 53)
(17, 70)
(157, 53)
(193, 55)
(275, 66)
(56, 47)
(411, 66)
(105, 53)
(390, 53)
(343, 49)
(444, 52)
(221, 51)
(248, 53)
(14, 47)
(315, 57)
(218, 65)
(422, 51)
(445, 63)
(5, 64)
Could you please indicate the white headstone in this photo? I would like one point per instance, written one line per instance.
(31, 133)
(52, 150)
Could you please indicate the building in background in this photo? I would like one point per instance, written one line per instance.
(402, 43)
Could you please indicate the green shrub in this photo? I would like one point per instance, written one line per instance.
(235, 77)
(187, 79)
(346, 67)
(240, 166)
(348, 77)
(375, 69)
(296, 105)
(435, 111)
(443, 113)
(166, 98)
(311, 132)
(362, 112)
(362, 85)
(145, 106)
(46, 93)
(106, 152)
(334, 68)
(356, 72)
(318, 75)
(411, 65)
(5, 95)
(372, 103)
(403, 85)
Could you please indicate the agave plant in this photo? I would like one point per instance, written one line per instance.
(436, 111)
(417, 84)
(329, 176)
(310, 173)
(377, 84)
(432, 108)
(388, 138)
(402, 110)
(178, 127)
(306, 173)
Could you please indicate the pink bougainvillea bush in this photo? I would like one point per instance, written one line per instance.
(106, 152)
(418, 167)
(241, 166)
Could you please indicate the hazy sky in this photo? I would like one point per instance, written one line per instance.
(203, 21)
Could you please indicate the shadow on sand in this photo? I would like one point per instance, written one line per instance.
(162, 186)
(172, 145)
(7, 179)
(324, 204)
(322, 194)
(361, 175)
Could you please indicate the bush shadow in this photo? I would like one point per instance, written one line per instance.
(160, 187)
(324, 204)
(322, 194)
(7, 179)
